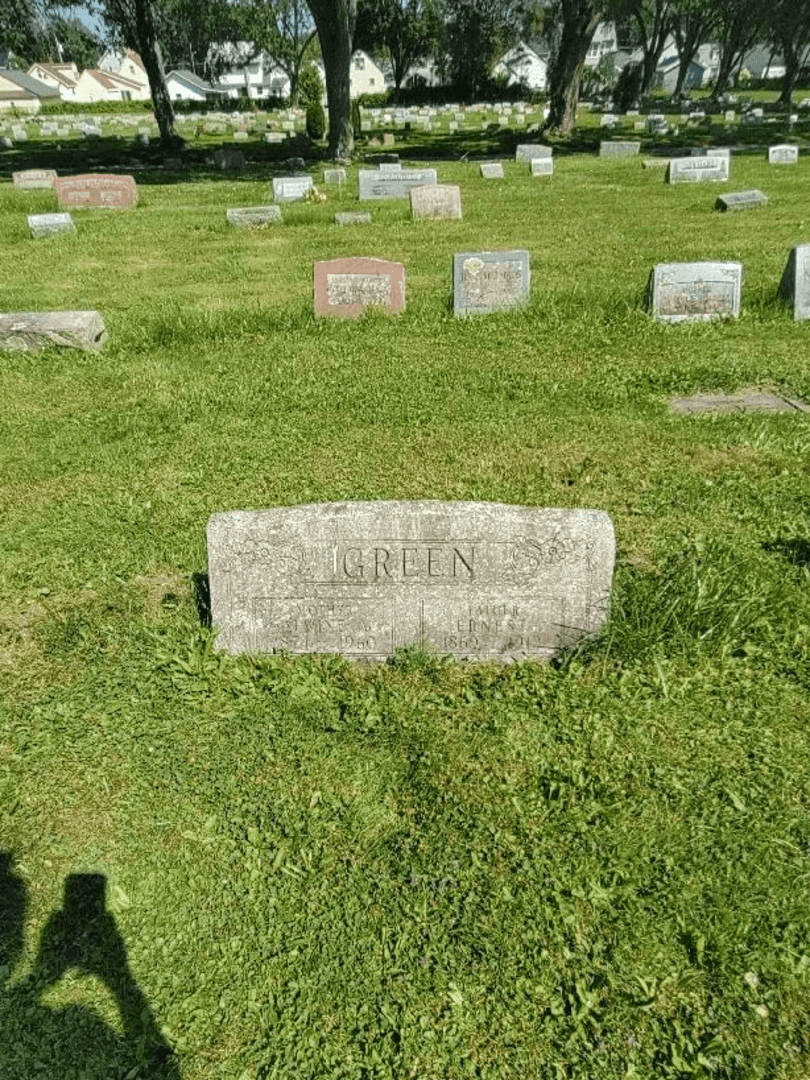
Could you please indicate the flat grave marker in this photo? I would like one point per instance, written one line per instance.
(435, 202)
(392, 185)
(253, 217)
(697, 169)
(344, 288)
(619, 149)
(741, 200)
(795, 284)
(749, 399)
(489, 281)
(50, 225)
(30, 331)
(96, 190)
(485, 581)
(32, 179)
(353, 217)
(695, 292)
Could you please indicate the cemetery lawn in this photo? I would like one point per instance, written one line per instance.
(425, 869)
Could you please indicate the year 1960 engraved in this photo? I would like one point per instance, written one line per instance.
(359, 625)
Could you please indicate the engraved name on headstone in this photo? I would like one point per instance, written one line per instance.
(344, 288)
(50, 224)
(783, 155)
(253, 217)
(492, 170)
(795, 284)
(696, 169)
(30, 179)
(741, 200)
(30, 331)
(487, 281)
(392, 185)
(695, 292)
(96, 190)
(529, 151)
(474, 580)
(435, 202)
(291, 188)
(619, 149)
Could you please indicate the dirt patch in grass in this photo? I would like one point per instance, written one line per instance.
(162, 592)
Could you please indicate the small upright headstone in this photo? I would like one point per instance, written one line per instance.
(695, 292)
(541, 166)
(334, 176)
(619, 149)
(741, 200)
(697, 169)
(435, 202)
(492, 170)
(19, 133)
(240, 136)
(530, 151)
(291, 188)
(783, 155)
(50, 225)
(488, 281)
(29, 179)
(253, 217)
(30, 331)
(795, 284)
(344, 288)
(394, 185)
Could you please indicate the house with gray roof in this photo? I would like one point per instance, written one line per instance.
(19, 90)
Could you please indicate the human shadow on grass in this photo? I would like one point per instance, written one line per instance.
(72, 1041)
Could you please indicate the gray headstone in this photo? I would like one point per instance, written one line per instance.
(291, 188)
(50, 224)
(390, 166)
(741, 200)
(795, 284)
(619, 149)
(30, 179)
(487, 281)
(474, 580)
(240, 136)
(334, 176)
(529, 151)
(656, 163)
(783, 155)
(353, 217)
(492, 170)
(253, 217)
(695, 292)
(696, 169)
(393, 185)
(30, 331)
(541, 166)
(436, 202)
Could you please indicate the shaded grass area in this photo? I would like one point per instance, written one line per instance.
(422, 869)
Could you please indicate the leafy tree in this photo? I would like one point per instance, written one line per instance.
(693, 23)
(335, 22)
(476, 32)
(188, 28)
(283, 29)
(404, 31)
(570, 35)
(651, 23)
(789, 32)
(22, 31)
(73, 41)
(740, 24)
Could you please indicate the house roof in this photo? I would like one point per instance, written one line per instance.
(63, 73)
(192, 81)
(33, 87)
(110, 81)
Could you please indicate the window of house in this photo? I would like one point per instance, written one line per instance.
(359, 63)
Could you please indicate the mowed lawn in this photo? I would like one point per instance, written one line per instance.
(426, 869)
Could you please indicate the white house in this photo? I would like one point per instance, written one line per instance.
(602, 44)
(21, 91)
(364, 75)
(249, 74)
(186, 86)
(97, 85)
(522, 66)
(62, 76)
(126, 64)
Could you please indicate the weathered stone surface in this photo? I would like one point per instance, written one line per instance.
(749, 399)
(492, 170)
(353, 217)
(741, 200)
(541, 166)
(696, 169)
(291, 188)
(435, 202)
(50, 224)
(30, 331)
(783, 155)
(392, 185)
(487, 281)
(795, 284)
(96, 190)
(253, 217)
(474, 580)
(619, 149)
(29, 179)
(334, 176)
(695, 292)
(530, 151)
(344, 288)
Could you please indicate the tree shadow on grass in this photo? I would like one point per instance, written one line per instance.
(73, 1042)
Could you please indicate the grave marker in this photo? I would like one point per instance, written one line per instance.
(795, 284)
(253, 217)
(492, 170)
(619, 149)
(488, 281)
(480, 580)
(30, 331)
(393, 185)
(741, 200)
(334, 176)
(96, 190)
(30, 179)
(697, 169)
(344, 288)
(541, 166)
(50, 224)
(291, 188)
(530, 151)
(436, 202)
(783, 155)
(353, 217)
(695, 292)
(230, 160)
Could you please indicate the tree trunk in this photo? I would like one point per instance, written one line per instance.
(580, 20)
(335, 21)
(791, 75)
(149, 50)
(653, 46)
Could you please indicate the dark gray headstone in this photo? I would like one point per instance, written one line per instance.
(488, 281)
(253, 217)
(479, 580)
(795, 284)
(695, 292)
(741, 200)
(30, 331)
(50, 225)
(229, 160)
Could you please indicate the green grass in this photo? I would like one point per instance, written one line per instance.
(426, 869)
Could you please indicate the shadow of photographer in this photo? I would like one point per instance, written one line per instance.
(73, 1041)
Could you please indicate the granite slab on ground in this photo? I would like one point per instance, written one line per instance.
(474, 580)
(30, 331)
(42, 225)
(253, 217)
(749, 399)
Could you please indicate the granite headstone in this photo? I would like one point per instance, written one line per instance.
(488, 281)
(795, 284)
(50, 224)
(695, 292)
(344, 288)
(392, 185)
(253, 217)
(435, 202)
(30, 331)
(96, 190)
(30, 179)
(741, 200)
